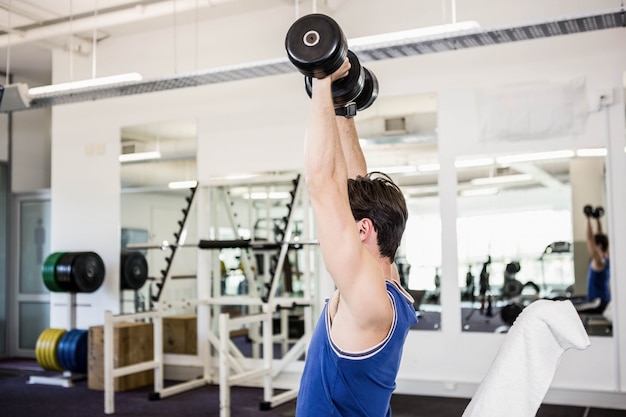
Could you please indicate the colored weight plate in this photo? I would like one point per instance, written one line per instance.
(134, 270)
(52, 351)
(61, 350)
(66, 348)
(316, 45)
(46, 349)
(88, 271)
(39, 349)
(78, 358)
(49, 271)
(370, 91)
(64, 272)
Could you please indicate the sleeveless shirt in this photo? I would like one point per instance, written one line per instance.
(338, 383)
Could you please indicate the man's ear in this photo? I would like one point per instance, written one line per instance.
(365, 228)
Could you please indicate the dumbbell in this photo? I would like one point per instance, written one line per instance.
(596, 213)
(317, 47)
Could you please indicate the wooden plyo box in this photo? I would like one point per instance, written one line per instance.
(132, 343)
(180, 334)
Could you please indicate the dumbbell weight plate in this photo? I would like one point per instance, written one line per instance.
(370, 91)
(316, 45)
(588, 210)
(346, 89)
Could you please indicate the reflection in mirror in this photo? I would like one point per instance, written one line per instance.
(521, 233)
(261, 253)
(158, 167)
(398, 136)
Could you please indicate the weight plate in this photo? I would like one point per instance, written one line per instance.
(88, 271)
(134, 270)
(39, 349)
(79, 352)
(370, 91)
(316, 45)
(346, 89)
(64, 272)
(51, 353)
(46, 349)
(48, 271)
(72, 351)
(62, 350)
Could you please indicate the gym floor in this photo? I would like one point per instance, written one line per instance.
(18, 398)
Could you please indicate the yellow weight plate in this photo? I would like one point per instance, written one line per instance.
(52, 352)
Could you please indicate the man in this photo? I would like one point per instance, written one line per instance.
(598, 292)
(355, 350)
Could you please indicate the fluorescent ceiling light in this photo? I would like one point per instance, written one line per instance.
(591, 152)
(139, 156)
(539, 156)
(182, 184)
(93, 82)
(502, 179)
(412, 34)
(475, 192)
(396, 169)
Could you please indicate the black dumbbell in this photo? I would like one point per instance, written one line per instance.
(316, 45)
(588, 210)
(598, 212)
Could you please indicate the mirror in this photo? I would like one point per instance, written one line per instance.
(521, 232)
(158, 165)
(398, 137)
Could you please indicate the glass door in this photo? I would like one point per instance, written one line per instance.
(31, 301)
(4, 196)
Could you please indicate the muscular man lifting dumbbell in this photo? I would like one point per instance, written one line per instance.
(354, 353)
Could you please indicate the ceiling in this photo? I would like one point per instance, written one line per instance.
(33, 28)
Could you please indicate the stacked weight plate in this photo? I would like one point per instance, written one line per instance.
(46, 349)
(60, 350)
(73, 272)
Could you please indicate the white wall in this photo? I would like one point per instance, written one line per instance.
(258, 125)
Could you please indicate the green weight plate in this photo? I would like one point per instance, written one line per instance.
(49, 271)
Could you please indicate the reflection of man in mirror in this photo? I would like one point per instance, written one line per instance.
(40, 239)
(598, 293)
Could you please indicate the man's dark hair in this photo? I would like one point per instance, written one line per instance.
(602, 240)
(376, 197)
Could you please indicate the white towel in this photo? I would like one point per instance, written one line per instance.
(524, 367)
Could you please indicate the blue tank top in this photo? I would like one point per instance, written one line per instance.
(353, 384)
(598, 283)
